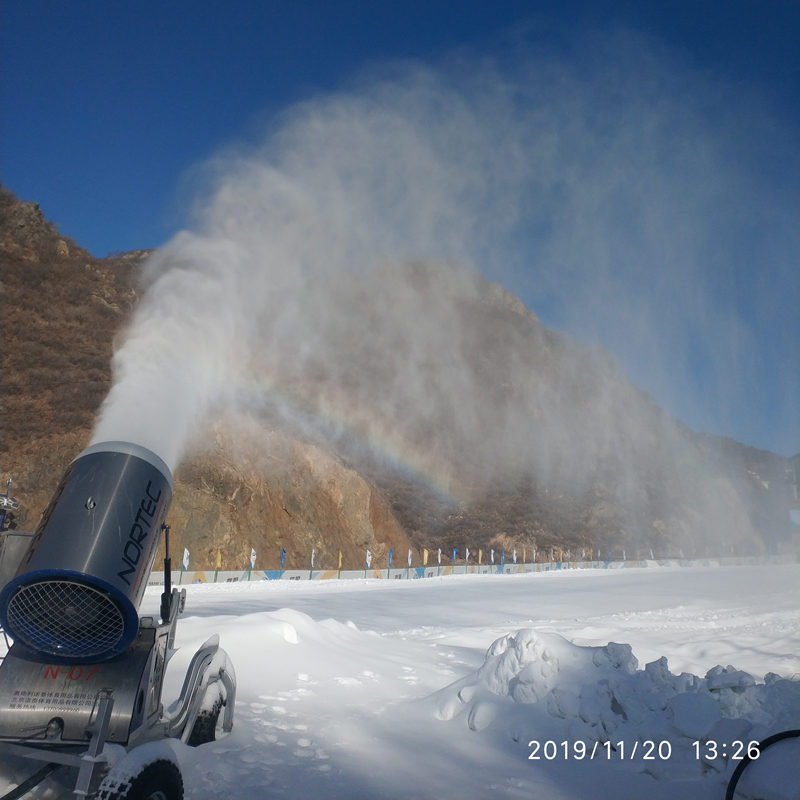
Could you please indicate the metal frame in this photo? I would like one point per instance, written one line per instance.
(125, 710)
(54, 706)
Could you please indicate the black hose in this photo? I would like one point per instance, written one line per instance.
(762, 746)
(166, 595)
(27, 785)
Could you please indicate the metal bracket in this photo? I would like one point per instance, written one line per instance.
(93, 757)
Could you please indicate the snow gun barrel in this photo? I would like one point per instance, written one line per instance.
(77, 590)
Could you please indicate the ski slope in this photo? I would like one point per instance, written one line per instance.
(442, 688)
(346, 689)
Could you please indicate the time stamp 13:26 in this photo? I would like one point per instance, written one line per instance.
(646, 750)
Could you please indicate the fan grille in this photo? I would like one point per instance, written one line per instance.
(65, 618)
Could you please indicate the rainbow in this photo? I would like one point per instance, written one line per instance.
(373, 433)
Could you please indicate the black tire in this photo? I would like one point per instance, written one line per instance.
(204, 729)
(159, 780)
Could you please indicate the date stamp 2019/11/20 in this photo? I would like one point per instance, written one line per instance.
(646, 750)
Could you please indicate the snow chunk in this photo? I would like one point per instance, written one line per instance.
(728, 678)
(693, 714)
(599, 694)
(481, 715)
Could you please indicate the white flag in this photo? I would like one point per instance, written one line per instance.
(440, 555)
(467, 556)
(514, 554)
(252, 558)
(185, 558)
(491, 553)
(409, 558)
(313, 553)
(369, 559)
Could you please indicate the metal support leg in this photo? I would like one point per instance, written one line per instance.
(93, 756)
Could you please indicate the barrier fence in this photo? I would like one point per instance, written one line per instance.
(185, 576)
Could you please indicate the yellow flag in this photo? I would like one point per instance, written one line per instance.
(480, 556)
(340, 559)
(523, 556)
(425, 557)
(219, 559)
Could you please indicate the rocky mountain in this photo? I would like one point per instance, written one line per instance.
(561, 451)
(61, 311)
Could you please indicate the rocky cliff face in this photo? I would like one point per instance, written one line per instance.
(249, 486)
(561, 450)
(245, 485)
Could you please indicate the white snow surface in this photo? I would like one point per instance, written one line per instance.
(442, 687)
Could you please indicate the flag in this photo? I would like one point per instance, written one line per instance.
(503, 556)
(425, 557)
(185, 558)
(491, 555)
(439, 555)
(409, 558)
(313, 555)
(514, 555)
(219, 559)
(391, 553)
(252, 558)
(455, 552)
(467, 556)
(340, 559)
(283, 556)
(480, 556)
(369, 558)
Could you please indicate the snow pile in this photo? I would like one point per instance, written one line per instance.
(598, 701)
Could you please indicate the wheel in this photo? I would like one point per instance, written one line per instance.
(204, 729)
(158, 780)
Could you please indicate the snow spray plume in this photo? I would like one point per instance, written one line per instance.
(332, 264)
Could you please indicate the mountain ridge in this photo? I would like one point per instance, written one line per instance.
(603, 466)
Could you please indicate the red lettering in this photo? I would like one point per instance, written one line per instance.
(92, 672)
(51, 671)
(75, 673)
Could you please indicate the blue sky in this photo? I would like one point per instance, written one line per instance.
(107, 109)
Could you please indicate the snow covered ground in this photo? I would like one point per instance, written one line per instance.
(501, 686)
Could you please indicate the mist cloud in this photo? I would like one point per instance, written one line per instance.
(607, 183)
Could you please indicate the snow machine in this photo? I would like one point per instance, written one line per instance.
(81, 683)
